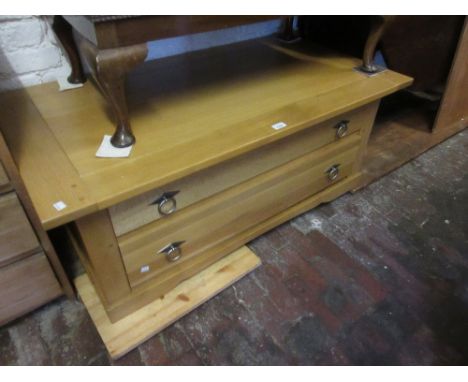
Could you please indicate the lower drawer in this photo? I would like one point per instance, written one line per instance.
(26, 285)
(167, 246)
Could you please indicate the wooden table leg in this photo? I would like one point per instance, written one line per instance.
(287, 29)
(378, 25)
(110, 68)
(64, 33)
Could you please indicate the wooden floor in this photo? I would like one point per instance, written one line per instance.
(376, 277)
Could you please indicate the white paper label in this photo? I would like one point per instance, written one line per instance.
(144, 269)
(59, 206)
(65, 85)
(106, 150)
(279, 125)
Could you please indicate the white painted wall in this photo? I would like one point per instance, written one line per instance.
(30, 53)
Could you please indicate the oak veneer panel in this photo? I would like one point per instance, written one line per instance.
(188, 113)
(124, 335)
(25, 285)
(17, 238)
(139, 211)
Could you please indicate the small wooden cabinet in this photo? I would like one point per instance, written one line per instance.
(232, 142)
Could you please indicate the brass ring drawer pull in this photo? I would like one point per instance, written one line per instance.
(166, 203)
(342, 129)
(172, 251)
(333, 172)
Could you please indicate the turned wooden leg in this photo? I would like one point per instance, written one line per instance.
(64, 33)
(110, 68)
(378, 25)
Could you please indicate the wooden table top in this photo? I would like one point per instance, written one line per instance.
(188, 113)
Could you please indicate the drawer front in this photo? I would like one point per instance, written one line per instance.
(142, 210)
(17, 237)
(226, 214)
(26, 285)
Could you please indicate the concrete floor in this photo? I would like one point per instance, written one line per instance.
(375, 278)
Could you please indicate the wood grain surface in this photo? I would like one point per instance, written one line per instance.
(138, 211)
(229, 213)
(190, 112)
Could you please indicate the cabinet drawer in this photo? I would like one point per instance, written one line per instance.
(26, 285)
(142, 210)
(208, 223)
(17, 237)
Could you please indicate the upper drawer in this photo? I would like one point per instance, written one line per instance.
(16, 234)
(3, 178)
(208, 223)
(142, 210)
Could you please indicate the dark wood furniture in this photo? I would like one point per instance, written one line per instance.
(408, 125)
(422, 47)
(432, 50)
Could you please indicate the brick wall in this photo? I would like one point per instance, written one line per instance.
(30, 53)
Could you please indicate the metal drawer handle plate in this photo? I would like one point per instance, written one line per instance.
(333, 172)
(342, 129)
(172, 251)
(166, 203)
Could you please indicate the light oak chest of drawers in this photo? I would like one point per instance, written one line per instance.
(232, 142)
